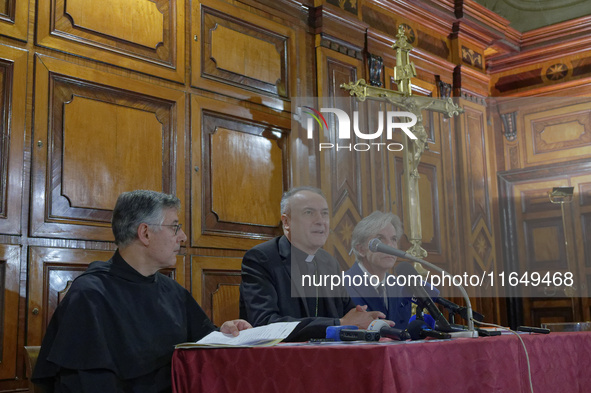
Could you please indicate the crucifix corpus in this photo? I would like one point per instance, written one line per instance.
(414, 148)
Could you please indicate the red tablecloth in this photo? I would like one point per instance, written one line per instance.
(560, 362)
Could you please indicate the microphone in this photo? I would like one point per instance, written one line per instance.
(385, 330)
(454, 308)
(418, 330)
(406, 269)
(358, 335)
(376, 245)
(350, 333)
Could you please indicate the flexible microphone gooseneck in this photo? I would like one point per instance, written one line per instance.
(405, 269)
(376, 245)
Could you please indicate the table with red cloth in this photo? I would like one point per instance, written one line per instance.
(560, 362)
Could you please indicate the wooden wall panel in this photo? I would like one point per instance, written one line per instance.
(541, 311)
(13, 83)
(581, 210)
(241, 54)
(558, 134)
(476, 163)
(53, 270)
(345, 177)
(14, 18)
(538, 239)
(9, 308)
(144, 35)
(215, 282)
(239, 161)
(94, 141)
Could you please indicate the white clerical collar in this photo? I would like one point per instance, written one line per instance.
(310, 258)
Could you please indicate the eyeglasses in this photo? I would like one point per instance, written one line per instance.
(176, 227)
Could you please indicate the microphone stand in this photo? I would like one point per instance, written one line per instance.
(473, 332)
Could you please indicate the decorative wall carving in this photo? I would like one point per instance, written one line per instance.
(557, 131)
(509, 125)
(376, 68)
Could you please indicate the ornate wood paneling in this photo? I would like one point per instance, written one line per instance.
(345, 177)
(215, 286)
(240, 170)
(51, 272)
(241, 53)
(581, 207)
(550, 311)
(476, 185)
(13, 82)
(14, 18)
(537, 240)
(9, 309)
(561, 134)
(544, 244)
(94, 141)
(144, 35)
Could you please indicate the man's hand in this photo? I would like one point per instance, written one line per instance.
(234, 327)
(361, 318)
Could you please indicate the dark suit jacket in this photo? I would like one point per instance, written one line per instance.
(267, 285)
(399, 306)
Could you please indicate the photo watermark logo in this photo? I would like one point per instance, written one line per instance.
(392, 120)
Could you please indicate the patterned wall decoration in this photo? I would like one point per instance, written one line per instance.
(556, 72)
(509, 125)
(410, 33)
(347, 5)
(472, 58)
(376, 70)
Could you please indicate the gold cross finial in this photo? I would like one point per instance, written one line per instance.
(404, 70)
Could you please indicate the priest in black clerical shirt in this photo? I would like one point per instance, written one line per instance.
(271, 290)
(116, 328)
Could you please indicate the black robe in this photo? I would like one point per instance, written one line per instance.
(115, 331)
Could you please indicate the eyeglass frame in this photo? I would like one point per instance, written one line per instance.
(178, 227)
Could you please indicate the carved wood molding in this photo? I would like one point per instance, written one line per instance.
(13, 76)
(14, 20)
(65, 156)
(340, 28)
(73, 27)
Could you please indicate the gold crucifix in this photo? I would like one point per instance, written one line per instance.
(414, 148)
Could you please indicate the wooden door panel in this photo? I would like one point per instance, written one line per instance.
(581, 208)
(215, 282)
(14, 18)
(13, 82)
(51, 272)
(240, 161)
(9, 309)
(241, 54)
(146, 36)
(538, 238)
(95, 140)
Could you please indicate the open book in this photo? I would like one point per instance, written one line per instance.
(256, 337)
